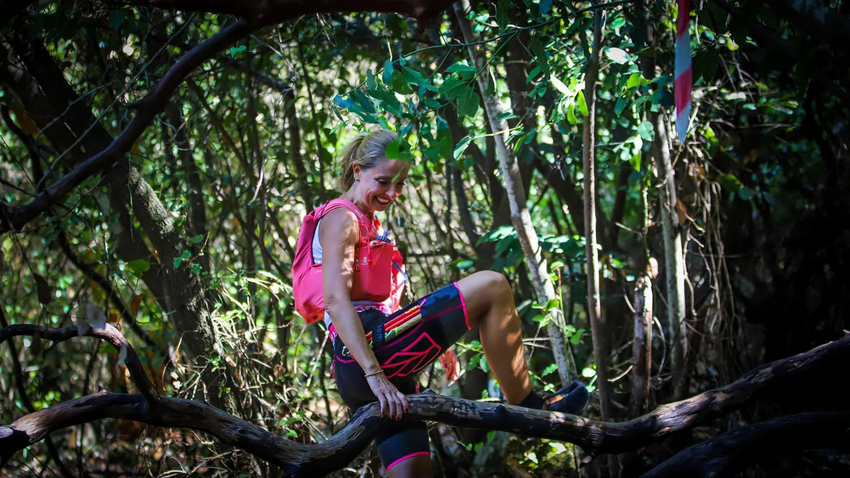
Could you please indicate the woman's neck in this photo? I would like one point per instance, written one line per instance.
(351, 197)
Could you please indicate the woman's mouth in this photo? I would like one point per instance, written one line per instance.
(382, 201)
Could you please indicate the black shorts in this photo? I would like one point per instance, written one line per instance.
(444, 322)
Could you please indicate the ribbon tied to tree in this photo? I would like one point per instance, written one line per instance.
(684, 76)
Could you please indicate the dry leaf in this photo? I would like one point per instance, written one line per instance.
(95, 316)
(681, 211)
(135, 303)
(42, 289)
(122, 356)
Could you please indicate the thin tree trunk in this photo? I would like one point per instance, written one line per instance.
(598, 326)
(673, 257)
(642, 347)
(520, 216)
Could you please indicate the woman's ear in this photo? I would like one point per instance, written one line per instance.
(357, 170)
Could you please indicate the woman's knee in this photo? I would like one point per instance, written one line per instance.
(491, 283)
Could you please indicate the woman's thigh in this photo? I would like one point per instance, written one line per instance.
(482, 291)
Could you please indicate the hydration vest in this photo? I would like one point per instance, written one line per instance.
(378, 273)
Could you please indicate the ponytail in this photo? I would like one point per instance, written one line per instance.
(366, 149)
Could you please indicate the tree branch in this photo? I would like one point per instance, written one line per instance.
(733, 451)
(13, 218)
(267, 12)
(108, 334)
(302, 460)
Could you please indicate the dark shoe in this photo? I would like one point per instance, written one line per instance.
(572, 399)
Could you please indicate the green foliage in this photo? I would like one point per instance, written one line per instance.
(753, 172)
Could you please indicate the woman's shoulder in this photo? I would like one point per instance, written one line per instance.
(340, 220)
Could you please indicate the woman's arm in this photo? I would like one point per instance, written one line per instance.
(338, 235)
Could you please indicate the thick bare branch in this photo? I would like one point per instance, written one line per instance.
(267, 12)
(725, 454)
(13, 218)
(108, 334)
(301, 460)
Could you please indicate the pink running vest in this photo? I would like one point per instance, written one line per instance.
(375, 276)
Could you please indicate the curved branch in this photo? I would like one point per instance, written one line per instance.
(108, 334)
(302, 460)
(90, 271)
(730, 452)
(274, 11)
(13, 218)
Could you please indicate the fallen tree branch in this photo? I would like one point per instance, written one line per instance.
(305, 460)
(733, 451)
(108, 334)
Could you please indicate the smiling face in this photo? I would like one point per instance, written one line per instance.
(378, 186)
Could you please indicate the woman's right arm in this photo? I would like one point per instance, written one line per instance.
(338, 235)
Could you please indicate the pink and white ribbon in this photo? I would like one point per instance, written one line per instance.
(684, 75)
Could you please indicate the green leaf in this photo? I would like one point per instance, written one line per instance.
(634, 80)
(452, 87)
(463, 70)
(392, 150)
(465, 264)
(620, 106)
(576, 337)
(560, 86)
(343, 103)
(186, 255)
(365, 102)
(571, 114)
(116, 19)
(544, 6)
(197, 239)
(646, 131)
(550, 369)
(582, 104)
(746, 193)
(531, 74)
(461, 147)
(588, 372)
(387, 75)
(540, 55)
(467, 103)
(370, 80)
(139, 267)
(617, 55)
(234, 51)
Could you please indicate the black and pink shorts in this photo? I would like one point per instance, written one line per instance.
(444, 322)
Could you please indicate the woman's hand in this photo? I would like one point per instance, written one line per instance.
(393, 402)
(450, 362)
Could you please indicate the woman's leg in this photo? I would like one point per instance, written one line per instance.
(490, 306)
(415, 467)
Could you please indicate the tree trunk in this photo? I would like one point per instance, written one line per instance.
(642, 347)
(598, 327)
(673, 257)
(520, 215)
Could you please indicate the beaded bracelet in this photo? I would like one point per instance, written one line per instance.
(373, 374)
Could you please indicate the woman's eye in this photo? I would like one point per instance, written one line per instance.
(383, 182)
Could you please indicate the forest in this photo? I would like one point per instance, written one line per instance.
(158, 157)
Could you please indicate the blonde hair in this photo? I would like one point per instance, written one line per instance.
(366, 149)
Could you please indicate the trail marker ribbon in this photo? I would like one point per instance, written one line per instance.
(684, 71)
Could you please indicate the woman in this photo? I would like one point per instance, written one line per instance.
(384, 371)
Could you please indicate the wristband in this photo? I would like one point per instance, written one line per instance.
(379, 372)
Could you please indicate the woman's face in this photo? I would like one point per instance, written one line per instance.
(379, 186)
